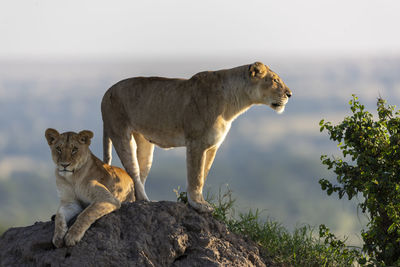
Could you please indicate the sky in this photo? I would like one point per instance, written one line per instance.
(180, 28)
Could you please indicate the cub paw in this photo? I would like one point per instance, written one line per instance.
(58, 241)
(71, 238)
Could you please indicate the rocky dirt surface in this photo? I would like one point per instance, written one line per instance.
(139, 234)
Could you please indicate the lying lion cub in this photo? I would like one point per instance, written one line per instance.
(83, 181)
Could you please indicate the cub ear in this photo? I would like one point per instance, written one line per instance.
(85, 136)
(51, 135)
(258, 70)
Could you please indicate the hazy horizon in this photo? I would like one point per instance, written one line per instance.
(270, 161)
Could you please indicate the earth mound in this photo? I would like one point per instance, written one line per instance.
(139, 234)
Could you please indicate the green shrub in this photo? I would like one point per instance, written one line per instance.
(370, 167)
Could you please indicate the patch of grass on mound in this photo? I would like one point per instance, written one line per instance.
(302, 247)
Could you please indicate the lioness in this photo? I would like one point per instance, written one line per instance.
(82, 181)
(196, 113)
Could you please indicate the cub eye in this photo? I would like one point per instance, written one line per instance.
(58, 149)
(74, 150)
(276, 80)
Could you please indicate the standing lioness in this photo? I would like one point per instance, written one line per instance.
(196, 113)
(85, 185)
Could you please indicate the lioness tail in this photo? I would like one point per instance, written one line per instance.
(107, 147)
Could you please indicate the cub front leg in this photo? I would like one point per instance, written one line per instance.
(65, 212)
(103, 202)
(89, 215)
(195, 160)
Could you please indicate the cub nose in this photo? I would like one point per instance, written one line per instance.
(65, 165)
(288, 93)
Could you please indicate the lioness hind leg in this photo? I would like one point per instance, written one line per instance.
(125, 146)
(144, 155)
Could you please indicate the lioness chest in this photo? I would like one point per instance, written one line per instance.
(218, 133)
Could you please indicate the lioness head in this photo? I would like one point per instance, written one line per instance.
(270, 89)
(69, 150)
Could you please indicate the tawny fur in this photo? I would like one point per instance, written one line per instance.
(196, 113)
(85, 185)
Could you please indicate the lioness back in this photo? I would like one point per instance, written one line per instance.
(163, 94)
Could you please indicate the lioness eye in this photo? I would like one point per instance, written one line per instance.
(58, 149)
(74, 150)
(276, 80)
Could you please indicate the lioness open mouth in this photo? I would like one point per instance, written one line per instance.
(278, 107)
(275, 105)
(64, 170)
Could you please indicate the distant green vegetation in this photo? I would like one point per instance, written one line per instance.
(2, 229)
(302, 247)
(26, 198)
(370, 167)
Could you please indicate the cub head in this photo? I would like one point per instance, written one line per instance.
(69, 150)
(268, 88)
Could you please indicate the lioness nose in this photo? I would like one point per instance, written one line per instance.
(65, 165)
(288, 93)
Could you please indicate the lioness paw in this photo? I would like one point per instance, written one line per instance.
(203, 207)
(140, 193)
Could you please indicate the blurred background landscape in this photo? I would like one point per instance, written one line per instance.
(270, 161)
(54, 71)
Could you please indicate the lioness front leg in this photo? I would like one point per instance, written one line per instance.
(65, 212)
(210, 155)
(195, 160)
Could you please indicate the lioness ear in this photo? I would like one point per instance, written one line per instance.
(51, 135)
(258, 70)
(85, 136)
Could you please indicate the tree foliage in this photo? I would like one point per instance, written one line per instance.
(370, 167)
